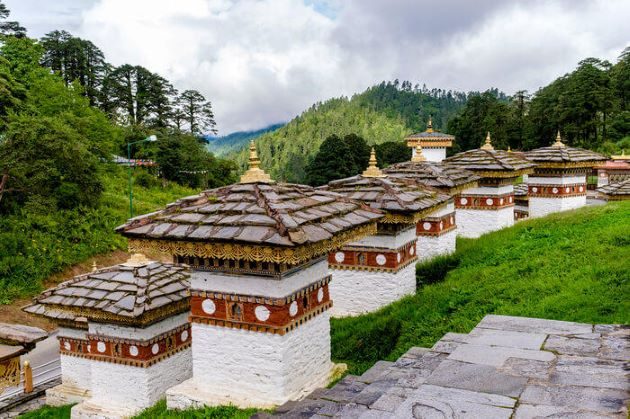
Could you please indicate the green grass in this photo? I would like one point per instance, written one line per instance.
(49, 412)
(571, 266)
(35, 243)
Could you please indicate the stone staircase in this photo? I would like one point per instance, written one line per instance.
(506, 367)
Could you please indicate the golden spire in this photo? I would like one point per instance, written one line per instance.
(136, 259)
(372, 170)
(558, 142)
(254, 174)
(418, 156)
(509, 149)
(94, 268)
(488, 143)
(430, 124)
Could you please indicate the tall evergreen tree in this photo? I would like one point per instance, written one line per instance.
(9, 28)
(197, 112)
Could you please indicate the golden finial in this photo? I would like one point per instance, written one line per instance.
(372, 169)
(418, 156)
(509, 149)
(254, 174)
(94, 268)
(558, 142)
(430, 124)
(488, 143)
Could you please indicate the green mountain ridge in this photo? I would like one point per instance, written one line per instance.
(385, 112)
(235, 141)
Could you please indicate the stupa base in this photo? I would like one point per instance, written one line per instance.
(91, 410)
(65, 394)
(193, 394)
(429, 247)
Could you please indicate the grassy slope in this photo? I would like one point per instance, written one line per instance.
(572, 266)
(34, 246)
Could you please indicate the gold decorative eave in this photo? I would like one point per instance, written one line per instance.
(429, 142)
(502, 174)
(565, 165)
(412, 218)
(457, 189)
(253, 253)
(99, 316)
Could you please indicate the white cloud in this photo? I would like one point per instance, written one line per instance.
(264, 61)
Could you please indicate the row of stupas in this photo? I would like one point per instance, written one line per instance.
(242, 315)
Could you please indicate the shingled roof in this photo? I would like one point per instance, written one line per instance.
(521, 189)
(488, 162)
(449, 179)
(136, 292)
(403, 200)
(616, 191)
(560, 155)
(296, 221)
(430, 136)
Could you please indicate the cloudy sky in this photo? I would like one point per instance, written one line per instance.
(264, 61)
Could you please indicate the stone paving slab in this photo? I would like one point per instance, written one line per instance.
(507, 338)
(474, 377)
(495, 355)
(572, 346)
(531, 325)
(528, 411)
(577, 397)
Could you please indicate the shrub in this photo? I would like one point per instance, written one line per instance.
(435, 270)
(146, 180)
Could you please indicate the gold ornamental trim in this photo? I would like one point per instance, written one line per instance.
(427, 143)
(501, 174)
(9, 373)
(391, 218)
(459, 188)
(565, 165)
(146, 319)
(252, 253)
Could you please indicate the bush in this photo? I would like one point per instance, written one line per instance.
(146, 180)
(435, 270)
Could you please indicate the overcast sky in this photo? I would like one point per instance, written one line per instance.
(265, 61)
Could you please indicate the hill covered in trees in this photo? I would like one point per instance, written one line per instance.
(383, 113)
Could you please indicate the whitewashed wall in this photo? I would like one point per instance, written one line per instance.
(539, 207)
(429, 247)
(432, 154)
(473, 223)
(358, 292)
(122, 390)
(248, 368)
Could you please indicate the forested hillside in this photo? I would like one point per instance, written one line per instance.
(383, 113)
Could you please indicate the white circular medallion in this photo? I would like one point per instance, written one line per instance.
(89, 348)
(581, 188)
(463, 201)
(398, 257)
(208, 306)
(133, 350)
(554, 190)
(66, 346)
(441, 225)
(184, 336)
(510, 199)
(293, 308)
(567, 190)
(340, 257)
(501, 201)
(452, 220)
(534, 189)
(426, 226)
(262, 313)
(155, 349)
(100, 346)
(320, 295)
(381, 259)
(489, 201)
(412, 250)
